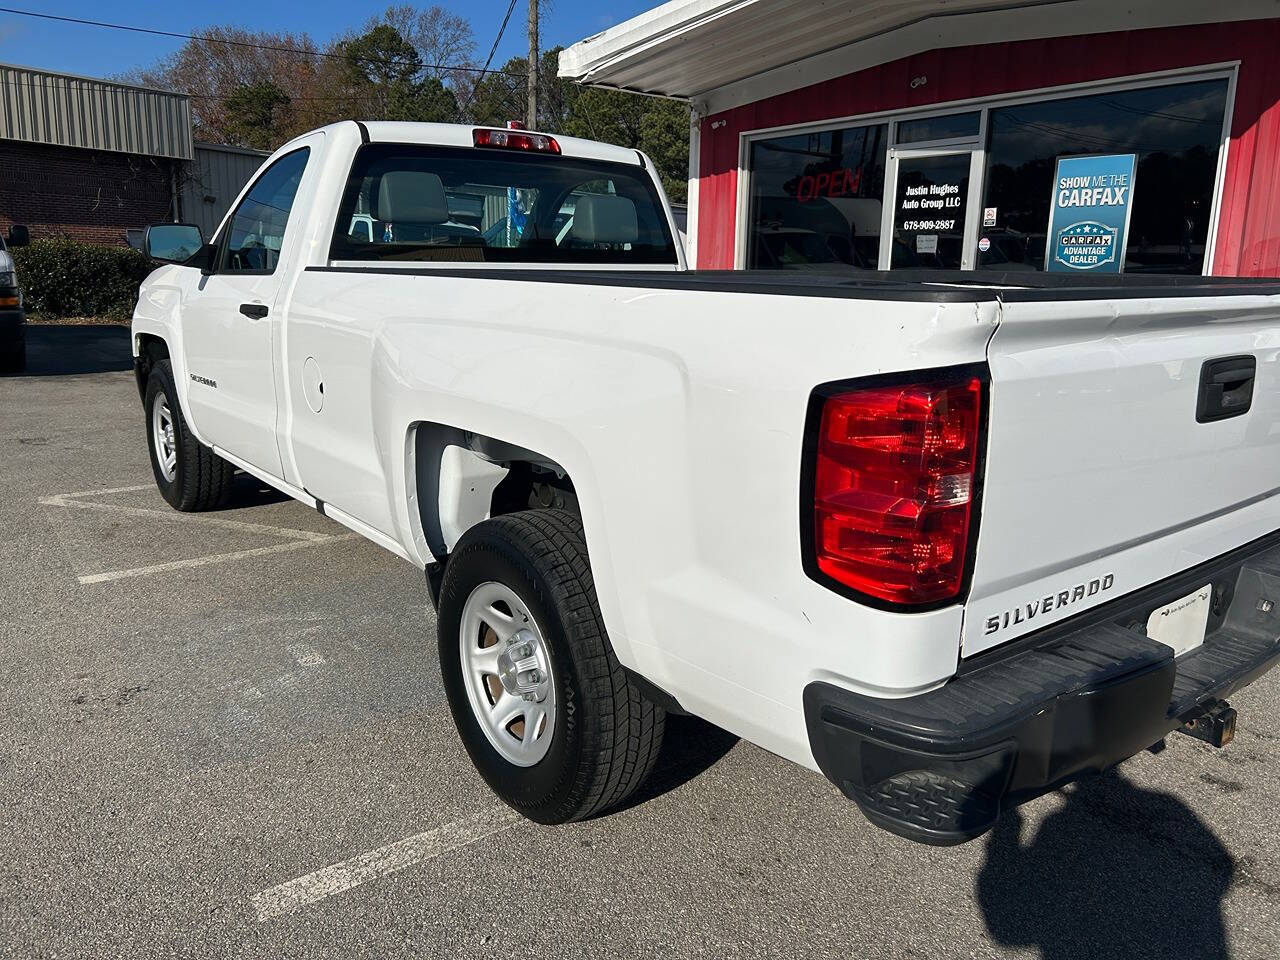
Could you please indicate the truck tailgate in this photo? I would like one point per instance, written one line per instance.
(1099, 477)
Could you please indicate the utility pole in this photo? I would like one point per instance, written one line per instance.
(531, 121)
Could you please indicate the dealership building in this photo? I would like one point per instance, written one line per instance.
(968, 134)
(98, 160)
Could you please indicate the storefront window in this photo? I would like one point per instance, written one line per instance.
(1143, 161)
(816, 199)
(1174, 131)
(952, 126)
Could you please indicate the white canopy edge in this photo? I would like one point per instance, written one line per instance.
(724, 53)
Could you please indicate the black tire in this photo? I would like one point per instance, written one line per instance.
(202, 479)
(15, 361)
(607, 735)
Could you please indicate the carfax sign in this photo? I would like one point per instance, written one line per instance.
(1089, 223)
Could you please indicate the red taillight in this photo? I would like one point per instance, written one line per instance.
(894, 488)
(513, 140)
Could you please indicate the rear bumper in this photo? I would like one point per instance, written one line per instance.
(1073, 699)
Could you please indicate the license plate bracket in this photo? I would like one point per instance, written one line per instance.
(1182, 624)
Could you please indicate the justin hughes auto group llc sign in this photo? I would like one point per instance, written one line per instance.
(1089, 225)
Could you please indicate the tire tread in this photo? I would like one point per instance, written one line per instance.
(622, 745)
(203, 480)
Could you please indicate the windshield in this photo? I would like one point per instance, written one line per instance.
(407, 202)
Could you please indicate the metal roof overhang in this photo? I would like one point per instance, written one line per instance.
(696, 49)
(686, 47)
(65, 110)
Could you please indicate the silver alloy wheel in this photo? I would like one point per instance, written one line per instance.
(506, 668)
(162, 438)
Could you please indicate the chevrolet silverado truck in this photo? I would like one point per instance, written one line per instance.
(951, 539)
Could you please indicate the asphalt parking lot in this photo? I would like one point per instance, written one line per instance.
(225, 734)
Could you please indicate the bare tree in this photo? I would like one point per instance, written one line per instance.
(254, 87)
(224, 60)
(443, 40)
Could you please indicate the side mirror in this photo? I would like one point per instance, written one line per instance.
(19, 235)
(172, 242)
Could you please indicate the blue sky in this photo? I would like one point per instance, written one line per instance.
(94, 51)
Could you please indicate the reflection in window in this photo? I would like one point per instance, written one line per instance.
(929, 212)
(256, 232)
(816, 199)
(1175, 131)
(950, 127)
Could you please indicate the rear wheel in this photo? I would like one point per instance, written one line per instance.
(190, 476)
(14, 360)
(550, 719)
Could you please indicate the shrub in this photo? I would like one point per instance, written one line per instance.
(66, 278)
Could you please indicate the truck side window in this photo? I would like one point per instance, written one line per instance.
(255, 233)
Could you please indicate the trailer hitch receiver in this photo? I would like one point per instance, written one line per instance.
(1216, 725)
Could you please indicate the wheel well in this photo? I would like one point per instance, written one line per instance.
(464, 477)
(151, 350)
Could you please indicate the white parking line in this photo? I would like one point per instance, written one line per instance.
(297, 539)
(212, 558)
(382, 862)
(70, 500)
(106, 490)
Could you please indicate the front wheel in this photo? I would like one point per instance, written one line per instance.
(190, 476)
(550, 719)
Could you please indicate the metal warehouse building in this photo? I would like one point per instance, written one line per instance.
(880, 134)
(212, 180)
(91, 159)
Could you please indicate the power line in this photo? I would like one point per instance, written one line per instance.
(245, 43)
(343, 97)
(497, 40)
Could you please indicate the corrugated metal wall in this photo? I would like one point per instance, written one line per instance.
(212, 181)
(67, 111)
(1248, 240)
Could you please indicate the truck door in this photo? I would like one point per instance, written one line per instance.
(229, 333)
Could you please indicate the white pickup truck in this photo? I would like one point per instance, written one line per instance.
(951, 539)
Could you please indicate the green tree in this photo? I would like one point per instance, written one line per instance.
(657, 126)
(499, 96)
(254, 115)
(383, 71)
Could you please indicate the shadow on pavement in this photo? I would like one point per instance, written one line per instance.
(1117, 872)
(690, 747)
(57, 350)
(249, 491)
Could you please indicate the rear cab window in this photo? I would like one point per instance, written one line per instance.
(421, 203)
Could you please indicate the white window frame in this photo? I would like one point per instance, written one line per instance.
(1228, 70)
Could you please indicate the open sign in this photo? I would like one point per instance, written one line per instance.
(831, 183)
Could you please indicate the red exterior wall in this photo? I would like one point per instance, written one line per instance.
(1248, 241)
(89, 195)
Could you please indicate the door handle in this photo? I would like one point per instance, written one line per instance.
(1226, 388)
(254, 311)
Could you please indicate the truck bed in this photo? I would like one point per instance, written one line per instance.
(920, 286)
